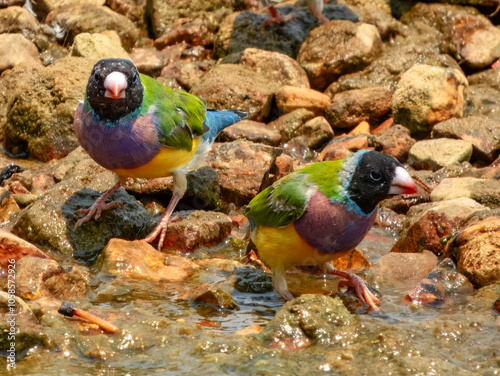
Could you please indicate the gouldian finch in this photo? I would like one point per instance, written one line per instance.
(134, 126)
(315, 7)
(322, 211)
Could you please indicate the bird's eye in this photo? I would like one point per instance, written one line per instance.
(134, 77)
(97, 76)
(375, 175)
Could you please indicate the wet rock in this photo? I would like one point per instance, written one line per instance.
(277, 66)
(484, 191)
(477, 251)
(401, 269)
(289, 124)
(98, 46)
(236, 86)
(243, 169)
(203, 190)
(216, 296)
(427, 225)
(441, 288)
(37, 277)
(395, 141)
(313, 135)
(58, 205)
(148, 60)
(38, 107)
(428, 95)
(16, 49)
(341, 147)
(27, 330)
(251, 131)
(481, 132)
(90, 18)
(252, 281)
(18, 20)
(350, 108)
(354, 261)
(338, 48)
(389, 67)
(466, 34)
(290, 98)
(25, 199)
(197, 229)
(139, 260)
(187, 73)
(483, 94)
(14, 248)
(239, 31)
(306, 321)
(438, 153)
(8, 208)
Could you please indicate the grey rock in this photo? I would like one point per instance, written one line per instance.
(437, 153)
(251, 131)
(484, 191)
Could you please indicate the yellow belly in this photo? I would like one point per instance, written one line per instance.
(167, 160)
(282, 247)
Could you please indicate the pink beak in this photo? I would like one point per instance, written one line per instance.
(402, 183)
(115, 84)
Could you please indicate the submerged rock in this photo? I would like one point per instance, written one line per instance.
(306, 321)
(15, 248)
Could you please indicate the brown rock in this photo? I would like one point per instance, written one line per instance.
(16, 49)
(401, 269)
(342, 146)
(15, 248)
(337, 48)
(353, 262)
(427, 224)
(19, 21)
(8, 207)
(316, 132)
(251, 131)
(41, 181)
(290, 98)
(284, 166)
(289, 124)
(484, 191)
(139, 260)
(395, 141)
(148, 60)
(36, 277)
(192, 31)
(349, 108)
(197, 229)
(186, 73)
(361, 128)
(243, 169)
(217, 296)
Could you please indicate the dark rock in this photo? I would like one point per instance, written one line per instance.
(441, 288)
(395, 141)
(306, 321)
(338, 48)
(251, 131)
(243, 169)
(428, 225)
(239, 31)
(481, 132)
(252, 281)
(350, 108)
(38, 107)
(289, 124)
(37, 277)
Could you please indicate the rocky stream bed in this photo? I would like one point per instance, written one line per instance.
(418, 81)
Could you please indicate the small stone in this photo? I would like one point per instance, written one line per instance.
(139, 260)
(148, 60)
(252, 281)
(342, 146)
(251, 131)
(354, 262)
(190, 30)
(484, 191)
(186, 73)
(438, 153)
(401, 269)
(37, 277)
(251, 329)
(427, 95)
(395, 141)
(284, 166)
(8, 207)
(216, 296)
(99, 46)
(361, 128)
(349, 108)
(290, 98)
(289, 124)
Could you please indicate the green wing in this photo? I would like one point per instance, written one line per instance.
(180, 115)
(282, 203)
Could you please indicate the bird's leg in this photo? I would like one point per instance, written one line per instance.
(362, 291)
(99, 205)
(280, 285)
(276, 16)
(316, 9)
(180, 186)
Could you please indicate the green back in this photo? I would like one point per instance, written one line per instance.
(286, 200)
(180, 114)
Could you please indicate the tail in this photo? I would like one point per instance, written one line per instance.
(216, 121)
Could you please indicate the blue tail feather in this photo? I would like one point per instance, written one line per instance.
(216, 121)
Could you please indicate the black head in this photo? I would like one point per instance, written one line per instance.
(113, 97)
(375, 177)
(8, 171)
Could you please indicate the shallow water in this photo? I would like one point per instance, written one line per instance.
(162, 335)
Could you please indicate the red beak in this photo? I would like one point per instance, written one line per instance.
(402, 183)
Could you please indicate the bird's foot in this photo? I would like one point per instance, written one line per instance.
(161, 230)
(363, 293)
(277, 17)
(98, 207)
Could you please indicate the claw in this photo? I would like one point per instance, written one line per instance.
(98, 207)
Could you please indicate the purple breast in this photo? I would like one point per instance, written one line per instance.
(331, 227)
(130, 144)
